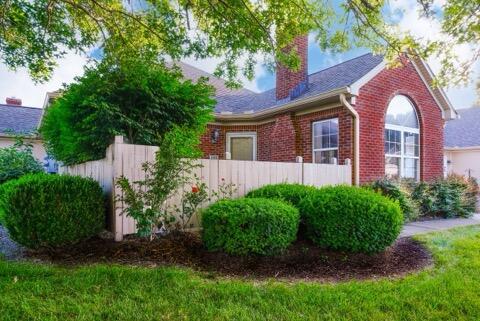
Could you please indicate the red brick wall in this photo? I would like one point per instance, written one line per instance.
(372, 105)
(285, 137)
(219, 148)
(287, 79)
(304, 125)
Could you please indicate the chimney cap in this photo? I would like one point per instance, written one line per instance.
(13, 101)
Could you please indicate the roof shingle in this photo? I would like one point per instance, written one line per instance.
(243, 100)
(19, 119)
(465, 130)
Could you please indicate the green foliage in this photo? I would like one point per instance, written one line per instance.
(454, 196)
(134, 97)
(146, 199)
(17, 160)
(291, 193)
(52, 210)
(397, 190)
(35, 33)
(249, 226)
(351, 219)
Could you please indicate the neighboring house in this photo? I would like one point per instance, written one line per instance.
(462, 143)
(18, 120)
(384, 121)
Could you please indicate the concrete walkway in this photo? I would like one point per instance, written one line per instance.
(438, 225)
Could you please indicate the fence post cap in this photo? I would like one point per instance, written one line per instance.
(299, 159)
(348, 161)
(228, 155)
(118, 139)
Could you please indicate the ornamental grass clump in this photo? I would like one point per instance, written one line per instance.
(351, 219)
(249, 226)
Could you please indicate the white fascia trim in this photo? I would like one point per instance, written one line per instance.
(355, 87)
(459, 149)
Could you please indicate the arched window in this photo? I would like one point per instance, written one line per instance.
(402, 139)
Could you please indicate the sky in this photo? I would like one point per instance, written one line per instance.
(19, 84)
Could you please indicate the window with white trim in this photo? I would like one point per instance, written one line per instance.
(242, 145)
(325, 141)
(402, 139)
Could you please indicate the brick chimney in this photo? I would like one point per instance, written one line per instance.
(13, 101)
(286, 79)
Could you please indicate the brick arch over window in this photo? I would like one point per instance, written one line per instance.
(372, 104)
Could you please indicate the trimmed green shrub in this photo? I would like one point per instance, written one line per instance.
(351, 219)
(249, 226)
(398, 191)
(52, 210)
(291, 193)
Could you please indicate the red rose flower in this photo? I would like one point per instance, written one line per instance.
(195, 189)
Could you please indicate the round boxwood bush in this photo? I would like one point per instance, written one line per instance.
(249, 226)
(351, 219)
(52, 210)
(291, 193)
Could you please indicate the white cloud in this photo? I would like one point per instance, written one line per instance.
(409, 19)
(20, 85)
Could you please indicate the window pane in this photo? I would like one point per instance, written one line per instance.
(333, 126)
(401, 112)
(241, 148)
(326, 157)
(393, 142)
(392, 166)
(333, 141)
(410, 168)
(411, 144)
(325, 134)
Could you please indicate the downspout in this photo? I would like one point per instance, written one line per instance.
(356, 139)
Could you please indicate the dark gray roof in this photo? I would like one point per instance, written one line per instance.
(463, 131)
(19, 119)
(243, 100)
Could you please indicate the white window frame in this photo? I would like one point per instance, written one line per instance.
(324, 149)
(253, 135)
(402, 155)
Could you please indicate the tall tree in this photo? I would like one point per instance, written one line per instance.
(34, 33)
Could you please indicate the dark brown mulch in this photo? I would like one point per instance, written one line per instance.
(302, 260)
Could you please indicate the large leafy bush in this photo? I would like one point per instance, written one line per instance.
(454, 196)
(351, 219)
(138, 98)
(52, 210)
(249, 226)
(398, 190)
(17, 160)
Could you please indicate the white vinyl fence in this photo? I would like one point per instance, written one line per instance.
(127, 159)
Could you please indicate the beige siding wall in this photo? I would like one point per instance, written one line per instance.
(38, 148)
(463, 162)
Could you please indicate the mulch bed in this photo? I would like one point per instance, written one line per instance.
(302, 260)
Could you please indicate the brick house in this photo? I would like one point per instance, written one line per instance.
(384, 121)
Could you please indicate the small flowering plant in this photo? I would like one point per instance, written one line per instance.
(192, 200)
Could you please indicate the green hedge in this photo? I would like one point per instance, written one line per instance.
(351, 219)
(291, 193)
(52, 210)
(249, 226)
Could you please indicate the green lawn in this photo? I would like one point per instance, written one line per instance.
(450, 291)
